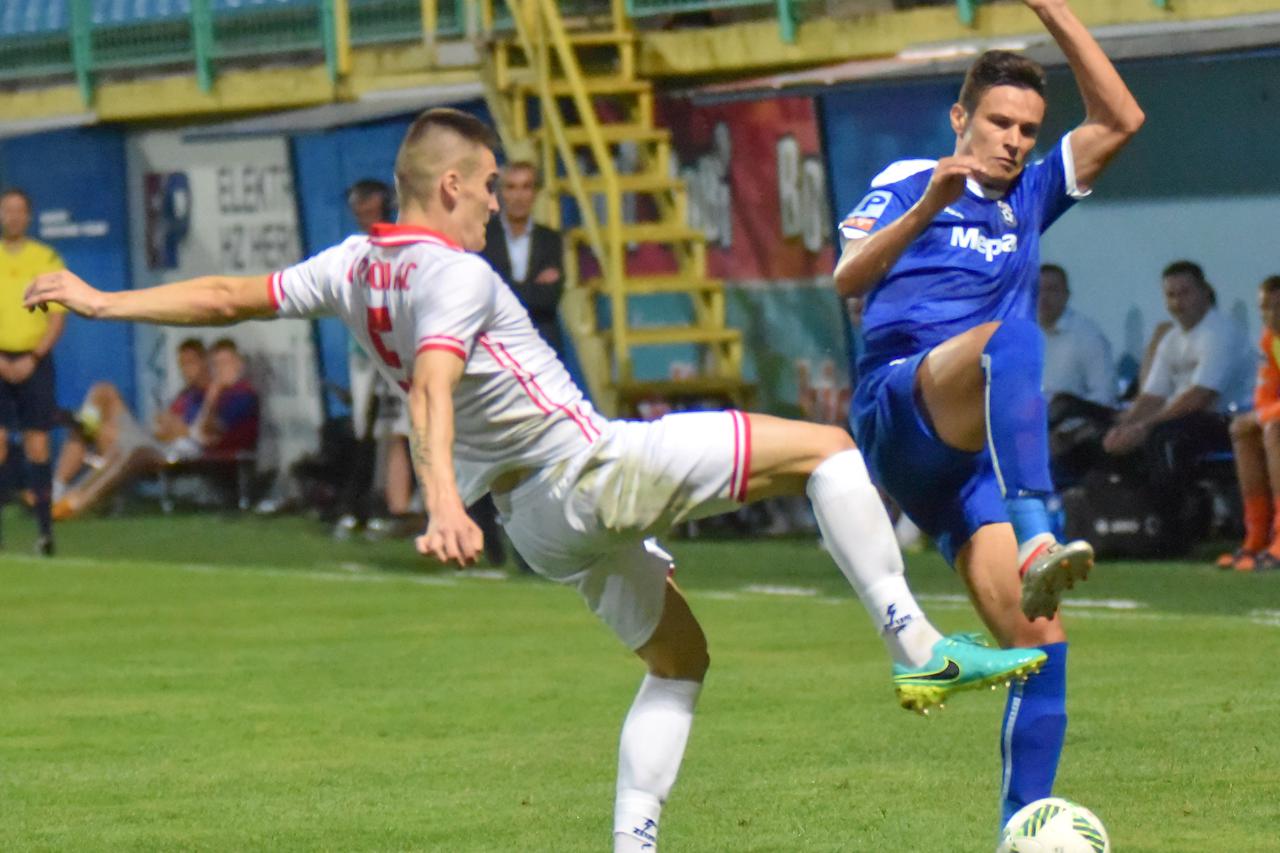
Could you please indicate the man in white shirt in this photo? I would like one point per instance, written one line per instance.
(1201, 367)
(1077, 356)
(491, 408)
(1079, 380)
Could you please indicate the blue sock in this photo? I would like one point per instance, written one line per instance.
(1035, 725)
(1018, 425)
(40, 482)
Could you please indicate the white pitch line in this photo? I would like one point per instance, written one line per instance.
(789, 591)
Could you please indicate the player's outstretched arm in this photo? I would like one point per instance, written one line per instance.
(866, 260)
(1112, 115)
(451, 537)
(206, 301)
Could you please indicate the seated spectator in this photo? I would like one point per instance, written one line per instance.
(1079, 380)
(1077, 356)
(1199, 371)
(214, 416)
(1255, 439)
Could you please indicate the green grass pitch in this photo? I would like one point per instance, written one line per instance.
(226, 684)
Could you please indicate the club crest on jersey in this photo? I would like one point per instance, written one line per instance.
(1006, 211)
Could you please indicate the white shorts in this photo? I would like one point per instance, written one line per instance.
(585, 520)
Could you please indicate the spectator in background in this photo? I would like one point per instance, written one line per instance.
(228, 420)
(1079, 380)
(108, 440)
(26, 362)
(376, 412)
(529, 257)
(215, 417)
(1077, 356)
(1200, 370)
(1255, 438)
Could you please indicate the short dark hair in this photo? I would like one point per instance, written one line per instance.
(225, 344)
(366, 188)
(192, 345)
(1055, 268)
(1191, 268)
(465, 125)
(1000, 68)
(22, 194)
(1270, 284)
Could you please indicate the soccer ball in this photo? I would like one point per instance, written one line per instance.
(1054, 825)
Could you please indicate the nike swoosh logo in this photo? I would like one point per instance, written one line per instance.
(954, 213)
(950, 672)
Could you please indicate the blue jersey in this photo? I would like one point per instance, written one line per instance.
(978, 261)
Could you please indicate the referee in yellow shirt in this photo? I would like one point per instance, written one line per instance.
(26, 363)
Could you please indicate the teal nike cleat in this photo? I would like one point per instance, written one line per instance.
(961, 662)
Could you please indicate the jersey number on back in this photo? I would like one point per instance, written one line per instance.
(378, 322)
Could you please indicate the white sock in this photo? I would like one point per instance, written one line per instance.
(857, 531)
(649, 754)
(1026, 549)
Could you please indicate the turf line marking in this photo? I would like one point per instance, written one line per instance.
(775, 589)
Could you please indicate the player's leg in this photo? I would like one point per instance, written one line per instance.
(791, 457)
(121, 466)
(5, 485)
(796, 458)
(1253, 474)
(1271, 445)
(1035, 717)
(957, 384)
(656, 728)
(37, 410)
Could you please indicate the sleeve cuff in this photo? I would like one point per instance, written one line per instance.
(1069, 171)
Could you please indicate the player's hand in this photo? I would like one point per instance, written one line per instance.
(949, 176)
(65, 288)
(452, 538)
(21, 368)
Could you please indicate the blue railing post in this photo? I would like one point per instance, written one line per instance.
(787, 21)
(967, 9)
(82, 47)
(202, 42)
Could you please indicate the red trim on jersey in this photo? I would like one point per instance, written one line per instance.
(531, 385)
(273, 294)
(462, 354)
(388, 234)
(574, 415)
(746, 456)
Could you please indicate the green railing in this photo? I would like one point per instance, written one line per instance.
(213, 33)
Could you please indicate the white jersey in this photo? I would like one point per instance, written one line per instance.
(403, 290)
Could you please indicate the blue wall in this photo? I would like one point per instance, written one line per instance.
(81, 172)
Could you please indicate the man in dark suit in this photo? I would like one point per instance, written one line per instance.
(529, 257)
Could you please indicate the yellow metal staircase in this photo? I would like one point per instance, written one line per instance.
(581, 74)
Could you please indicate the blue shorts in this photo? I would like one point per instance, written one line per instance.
(948, 493)
(30, 404)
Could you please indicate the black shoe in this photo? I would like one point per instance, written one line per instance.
(44, 546)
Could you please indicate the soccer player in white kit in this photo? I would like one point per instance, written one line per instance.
(492, 409)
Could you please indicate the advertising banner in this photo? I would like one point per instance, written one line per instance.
(227, 207)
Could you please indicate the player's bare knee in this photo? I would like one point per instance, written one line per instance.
(1270, 433)
(1246, 426)
(687, 662)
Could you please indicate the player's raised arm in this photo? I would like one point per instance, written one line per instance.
(1112, 115)
(867, 257)
(205, 301)
(451, 537)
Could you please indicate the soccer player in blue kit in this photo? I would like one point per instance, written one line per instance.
(948, 408)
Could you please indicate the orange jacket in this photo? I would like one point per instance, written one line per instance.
(1266, 395)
